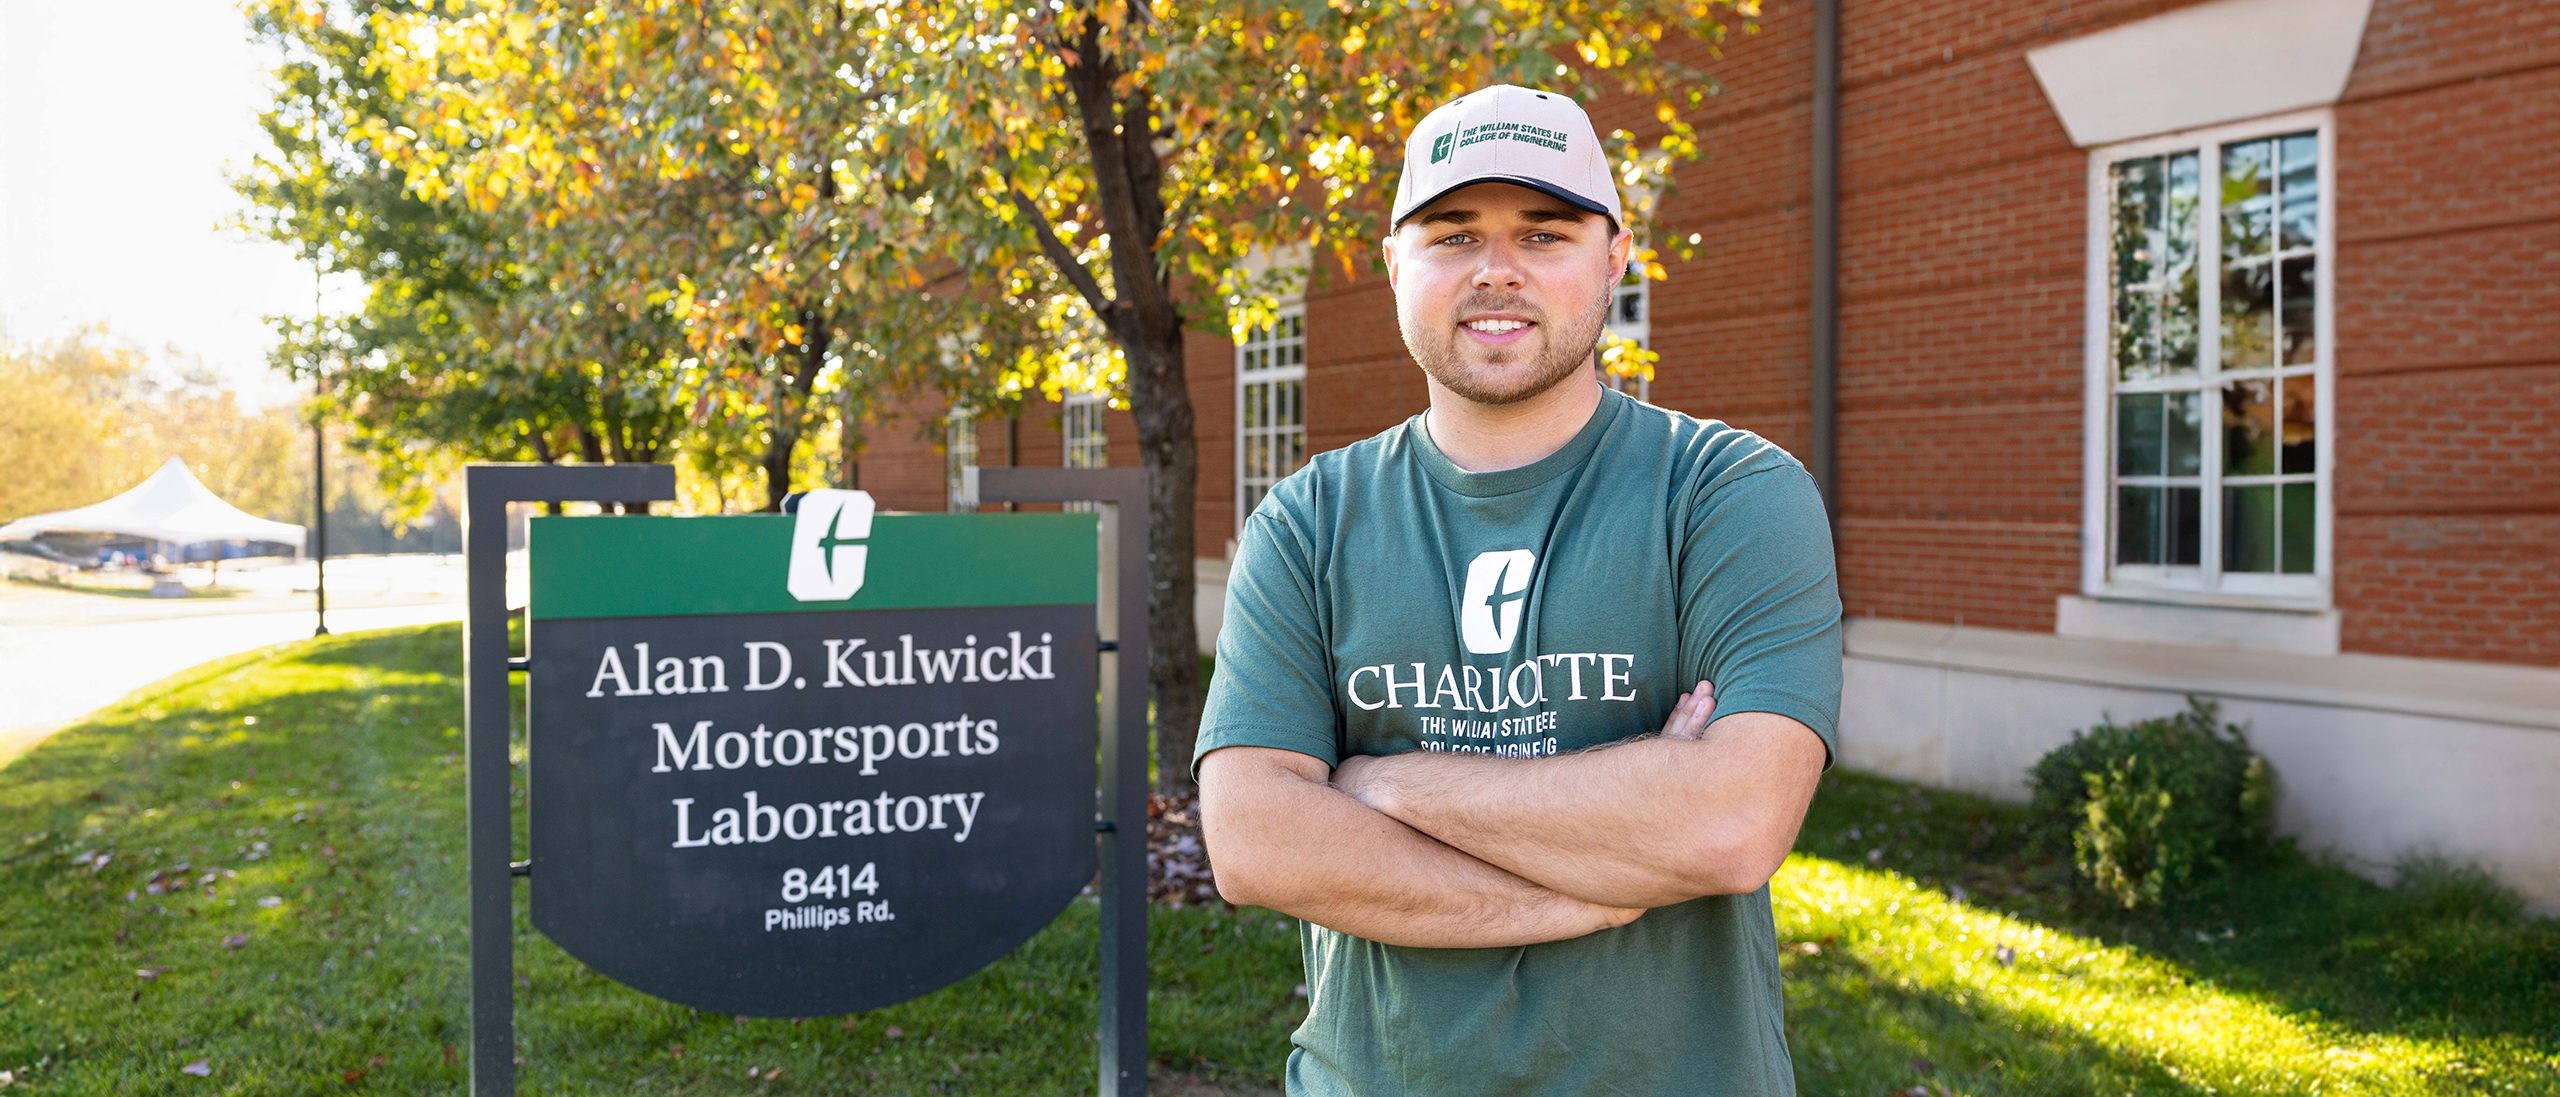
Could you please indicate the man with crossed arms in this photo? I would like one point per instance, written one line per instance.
(1462, 723)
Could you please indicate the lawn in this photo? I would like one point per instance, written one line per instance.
(249, 879)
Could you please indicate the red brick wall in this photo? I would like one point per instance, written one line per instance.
(901, 467)
(1963, 260)
(2448, 318)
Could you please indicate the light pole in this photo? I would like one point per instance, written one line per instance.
(319, 462)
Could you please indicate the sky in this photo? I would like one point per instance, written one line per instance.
(121, 122)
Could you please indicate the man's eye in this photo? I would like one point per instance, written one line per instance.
(1545, 238)
(1455, 239)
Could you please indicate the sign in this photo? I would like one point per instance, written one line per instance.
(808, 764)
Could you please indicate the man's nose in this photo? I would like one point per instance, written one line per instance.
(1500, 268)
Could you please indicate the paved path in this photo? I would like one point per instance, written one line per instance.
(65, 654)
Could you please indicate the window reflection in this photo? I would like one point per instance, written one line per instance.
(2298, 290)
(2300, 157)
(2249, 428)
(2301, 431)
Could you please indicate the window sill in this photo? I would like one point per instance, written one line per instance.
(2301, 627)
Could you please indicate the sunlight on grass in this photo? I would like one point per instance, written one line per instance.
(1853, 932)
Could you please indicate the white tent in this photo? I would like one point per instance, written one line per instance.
(171, 506)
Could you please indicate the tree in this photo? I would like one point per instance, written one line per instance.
(843, 199)
(473, 342)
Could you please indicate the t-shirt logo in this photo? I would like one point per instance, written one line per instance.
(1497, 588)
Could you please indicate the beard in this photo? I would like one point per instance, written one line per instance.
(1561, 350)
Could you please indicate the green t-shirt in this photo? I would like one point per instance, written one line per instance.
(1385, 600)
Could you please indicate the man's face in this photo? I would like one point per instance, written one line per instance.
(1502, 291)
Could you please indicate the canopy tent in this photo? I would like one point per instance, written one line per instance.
(172, 506)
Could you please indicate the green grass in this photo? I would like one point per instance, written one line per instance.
(2285, 976)
(327, 777)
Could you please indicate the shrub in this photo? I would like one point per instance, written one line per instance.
(2144, 808)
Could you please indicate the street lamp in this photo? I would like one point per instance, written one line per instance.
(319, 464)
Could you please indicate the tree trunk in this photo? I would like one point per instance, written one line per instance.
(1168, 449)
(1119, 130)
(785, 420)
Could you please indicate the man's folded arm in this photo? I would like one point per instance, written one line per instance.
(1645, 823)
(1280, 836)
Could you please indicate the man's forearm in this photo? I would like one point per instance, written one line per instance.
(1281, 840)
(1640, 824)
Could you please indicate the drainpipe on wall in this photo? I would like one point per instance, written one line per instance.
(1826, 258)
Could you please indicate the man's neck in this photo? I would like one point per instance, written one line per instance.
(1490, 438)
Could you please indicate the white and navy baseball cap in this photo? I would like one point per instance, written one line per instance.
(1507, 134)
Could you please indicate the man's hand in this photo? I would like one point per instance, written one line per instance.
(1690, 716)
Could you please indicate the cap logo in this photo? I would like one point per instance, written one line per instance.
(1441, 145)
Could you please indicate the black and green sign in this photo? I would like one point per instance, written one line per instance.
(797, 765)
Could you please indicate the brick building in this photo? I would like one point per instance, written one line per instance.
(2070, 236)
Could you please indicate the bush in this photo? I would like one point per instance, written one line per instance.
(2144, 808)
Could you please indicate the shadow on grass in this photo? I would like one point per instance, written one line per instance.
(2451, 959)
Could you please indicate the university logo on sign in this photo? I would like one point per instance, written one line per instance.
(826, 564)
(808, 764)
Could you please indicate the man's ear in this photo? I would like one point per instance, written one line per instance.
(1389, 244)
(1622, 249)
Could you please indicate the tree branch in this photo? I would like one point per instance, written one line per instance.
(1061, 255)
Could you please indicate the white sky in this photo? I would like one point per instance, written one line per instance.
(120, 123)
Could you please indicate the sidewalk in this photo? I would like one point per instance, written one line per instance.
(66, 653)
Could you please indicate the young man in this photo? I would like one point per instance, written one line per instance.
(1461, 720)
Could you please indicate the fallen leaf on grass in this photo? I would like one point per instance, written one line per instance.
(146, 974)
(351, 1077)
(271, 902)
(200, 1068)
(894, 1032)
(235, 940)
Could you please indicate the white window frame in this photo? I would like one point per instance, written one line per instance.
(1085, 440)
(2206, 583)
(1634, 284)
(1268, 339)
(959, 451)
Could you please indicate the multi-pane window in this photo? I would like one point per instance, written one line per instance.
(2216, 343)
(1087, 446)
(1271, 407)
(1628, 319)
(959, 451)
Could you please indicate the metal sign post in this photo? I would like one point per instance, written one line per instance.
(486, 666)
(1123, 493)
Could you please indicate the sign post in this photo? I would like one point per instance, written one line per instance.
(1123, 493)
(813, 763)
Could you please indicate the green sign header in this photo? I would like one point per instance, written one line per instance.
(822, 559)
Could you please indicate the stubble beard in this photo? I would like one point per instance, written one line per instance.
(1565, 354)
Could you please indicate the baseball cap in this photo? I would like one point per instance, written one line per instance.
(1507, 134)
